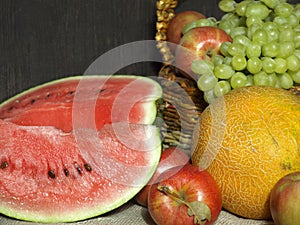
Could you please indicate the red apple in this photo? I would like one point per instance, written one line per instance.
(199, 43)
(185, 196)
(170, 157)
(174, 31)
(285, 200)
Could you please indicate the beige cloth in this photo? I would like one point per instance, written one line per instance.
(133, 214)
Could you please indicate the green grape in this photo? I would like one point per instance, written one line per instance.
(200, 67)
(224, 48)
(295, 76)
(281, 65)
(286, 49)
(253, 50)
(273, 80)
(261, 78)
(273, 35)
(227, 5)
(250, 81)
(227, 60)
(260, 36)
(238, 31)
(254, 65)
(189, 26)
(236, 48)
(210, 21)
(285, 80)
(209, 96)
(239, 62)
(284, 26)
(265, 47)
(293, 63)
(279, 20)
(283, 9)
(268, 65)
(271, 3)
(254, 20)
(241, 7)
(217, 59)
(207, 82)
(257, 9)
(287, 34)
(223, 71)
(225, 25)
(270, 26)
(297, 10)
(232, 19)
(293, 20)
(297, 53)
(251, 30)
(221, 88)
(241, 39)
(297, 39)
(272, 30)
(270, 49)
(239, 79)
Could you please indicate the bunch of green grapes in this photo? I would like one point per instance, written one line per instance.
(265, 47)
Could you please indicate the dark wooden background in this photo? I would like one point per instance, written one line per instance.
(41, 40)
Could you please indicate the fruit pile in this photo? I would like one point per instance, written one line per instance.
(260, 46)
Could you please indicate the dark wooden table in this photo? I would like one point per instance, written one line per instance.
(41, 40)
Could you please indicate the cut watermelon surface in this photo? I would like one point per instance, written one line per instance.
(78, 147)
(47, 176)
(85, 101)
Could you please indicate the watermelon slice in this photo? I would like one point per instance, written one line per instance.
(48, 176)
(78, 147)
(85, 101)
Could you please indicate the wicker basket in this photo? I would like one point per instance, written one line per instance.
(183, 101)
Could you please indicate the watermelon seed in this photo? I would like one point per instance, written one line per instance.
(78, 168)
(51, 174)
(4, 165)
(70, 92)
(66, 171)
(101, 90)
(88, 167)
(32, 101)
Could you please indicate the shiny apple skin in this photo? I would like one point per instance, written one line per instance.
(285, 200)
(199, 43)
(193, 184)
(170, 157)
(174, 31)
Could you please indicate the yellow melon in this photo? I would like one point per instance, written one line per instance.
(248, 140)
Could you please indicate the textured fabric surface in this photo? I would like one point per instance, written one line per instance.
(131, 213)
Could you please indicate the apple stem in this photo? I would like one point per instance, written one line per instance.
(198, 209)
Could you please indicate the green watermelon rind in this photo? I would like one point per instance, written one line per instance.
(95, 212)
(151, 106)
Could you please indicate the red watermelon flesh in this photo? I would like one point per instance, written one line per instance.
(77, 147)
(47, 175)
(85, 101)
